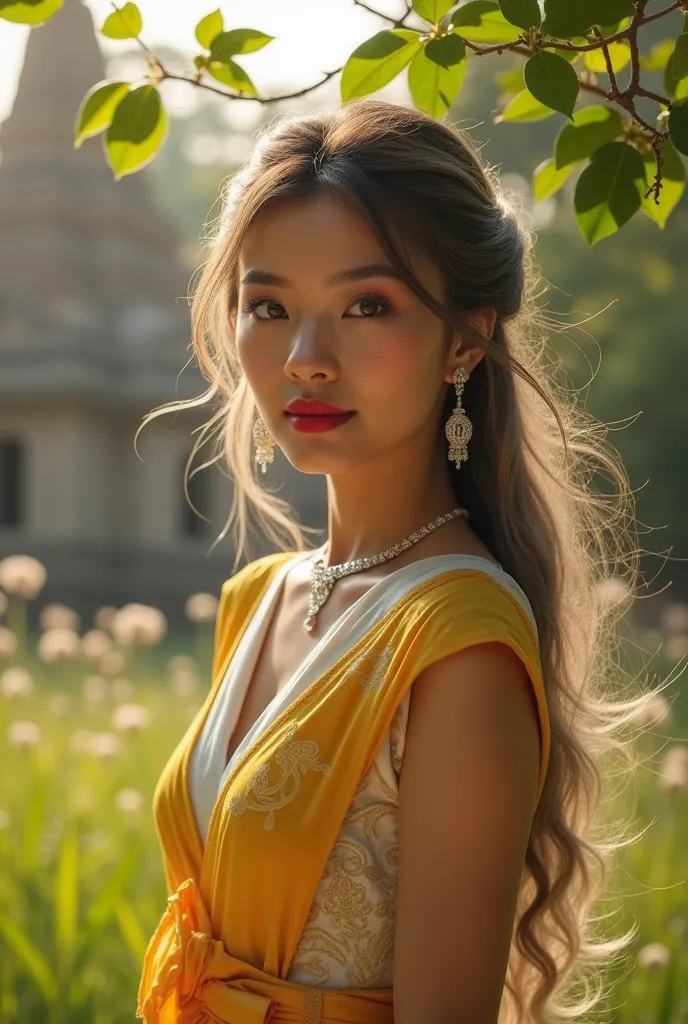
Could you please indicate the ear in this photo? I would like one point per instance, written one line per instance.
(465, 353)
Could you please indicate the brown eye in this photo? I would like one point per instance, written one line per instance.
(253, 304)
(370, 305)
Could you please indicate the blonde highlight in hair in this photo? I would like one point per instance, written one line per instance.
(527, 483)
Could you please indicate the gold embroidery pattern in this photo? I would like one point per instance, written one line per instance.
(375, 677)
(348, 936)
(313, 1005)
(294, 758)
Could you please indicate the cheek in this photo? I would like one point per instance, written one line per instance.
(395, 363)
(256, 358)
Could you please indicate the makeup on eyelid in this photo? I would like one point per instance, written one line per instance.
(251, 305)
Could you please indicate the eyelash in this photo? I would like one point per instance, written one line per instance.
(250, 306)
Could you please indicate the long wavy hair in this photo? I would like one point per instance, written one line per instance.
(528, 484)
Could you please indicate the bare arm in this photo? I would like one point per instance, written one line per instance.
(467, 795)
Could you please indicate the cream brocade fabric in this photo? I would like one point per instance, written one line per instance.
(348, 939)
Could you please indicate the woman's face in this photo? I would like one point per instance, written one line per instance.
(366, 344)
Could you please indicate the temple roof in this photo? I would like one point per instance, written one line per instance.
(93, 257)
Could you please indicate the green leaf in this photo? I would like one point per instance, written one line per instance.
(679, 57)
(125, 23)
(524, 13)
(566, 18)
(552, 81)
(436, 74)
(524, 107)
(548, 179)
(481, 21)
(447, 51)
(377, 61)
(31, 958)
(619, 55)
(673, 183)
(67, 899)
(432, 10)
(656, 59)
(102, 909)
(510, 80)
(209, 27)
(233, 75)
(97, 108)
(677, 123)
(130, 927)
(609, 12)
(29, 13)
(608, 190)
(238, 40)
(138, 129)
(592, 127)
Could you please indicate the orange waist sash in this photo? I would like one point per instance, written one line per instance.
(190, 978)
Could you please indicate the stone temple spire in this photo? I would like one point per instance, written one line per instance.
(67, 229)
(62, 61)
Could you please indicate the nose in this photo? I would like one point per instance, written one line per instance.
(310, 352)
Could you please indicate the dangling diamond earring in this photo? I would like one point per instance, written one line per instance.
(264, 442)
(458, 428)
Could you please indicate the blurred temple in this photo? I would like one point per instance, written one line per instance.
(94, 333)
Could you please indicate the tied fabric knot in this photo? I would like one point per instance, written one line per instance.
(187, 974)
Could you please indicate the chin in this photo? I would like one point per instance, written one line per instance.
(315, 462)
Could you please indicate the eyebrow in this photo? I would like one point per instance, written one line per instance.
(255, 276)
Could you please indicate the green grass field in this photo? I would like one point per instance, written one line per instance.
(81, 884)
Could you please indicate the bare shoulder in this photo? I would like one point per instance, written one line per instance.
(467, 796)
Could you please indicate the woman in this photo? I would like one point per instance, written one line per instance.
(382, 810)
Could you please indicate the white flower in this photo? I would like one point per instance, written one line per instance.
(79, 740)
(59, 616)
(102, 619)
(99, 745)
(612, 591)
(97, 840)
(23, 575)
(674, 771)
(201, 608)
(129, 801)
(139, 624)
(675, 618)
(58, 645)
(16, 682)
(131, 718)
(94, 689)
(184, 683)
(8, 642)
(655, 955)
(95, 643)
(112, 662)
(181, 663)
(676, 646)
(655, 712)
(24, 734)
(103, 745)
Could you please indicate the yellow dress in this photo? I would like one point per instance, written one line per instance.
(238, 902)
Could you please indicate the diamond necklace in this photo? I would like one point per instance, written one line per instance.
(323, 577)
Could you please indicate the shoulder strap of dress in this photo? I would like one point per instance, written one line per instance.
(239, 594)
(470, 607)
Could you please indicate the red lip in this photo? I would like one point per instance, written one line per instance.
(314, 407)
